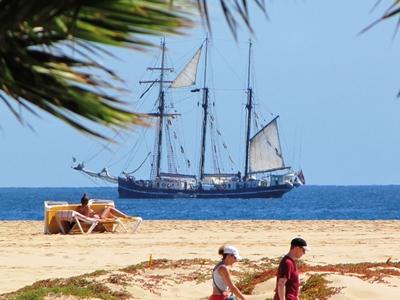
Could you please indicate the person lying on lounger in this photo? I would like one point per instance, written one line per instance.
(107, 213)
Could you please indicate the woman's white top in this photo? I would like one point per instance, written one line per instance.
(218, 281)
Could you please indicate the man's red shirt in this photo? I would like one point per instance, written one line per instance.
(288, 269)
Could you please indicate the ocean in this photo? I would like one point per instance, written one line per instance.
(304, 203)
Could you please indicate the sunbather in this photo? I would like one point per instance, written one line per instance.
(107, 213)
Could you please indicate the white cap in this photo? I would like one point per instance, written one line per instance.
(233, 251)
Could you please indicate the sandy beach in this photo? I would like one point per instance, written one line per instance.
(28, 255)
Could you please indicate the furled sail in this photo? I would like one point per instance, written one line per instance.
(187, 76)
(265, 149)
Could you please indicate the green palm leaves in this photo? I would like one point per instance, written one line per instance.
(49, 48)
(49, 51)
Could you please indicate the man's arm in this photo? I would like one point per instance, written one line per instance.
(281, 288)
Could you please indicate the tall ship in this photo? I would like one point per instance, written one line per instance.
(263, 174)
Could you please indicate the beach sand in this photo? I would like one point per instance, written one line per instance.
(28, 255)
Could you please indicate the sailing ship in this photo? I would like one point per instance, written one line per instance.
(264, 172)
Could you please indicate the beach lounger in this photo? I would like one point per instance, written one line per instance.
(128, 223)
(80, 223)
(59, 216)
(50, 210)
(75, 218)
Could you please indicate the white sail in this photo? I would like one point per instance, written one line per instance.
(187, 76)
(265, 149)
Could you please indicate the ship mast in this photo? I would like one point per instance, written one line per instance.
(161, 107)
(205, 116)
(249, 107)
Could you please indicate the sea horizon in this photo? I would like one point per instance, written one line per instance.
(309, 202)
(307, 185)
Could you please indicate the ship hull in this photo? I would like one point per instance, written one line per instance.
(131, 190)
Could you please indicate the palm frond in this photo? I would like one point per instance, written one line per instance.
(232, 10)
(38, 70)
(35, 69)
(392, 11)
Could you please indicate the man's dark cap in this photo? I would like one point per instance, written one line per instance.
(299, 242)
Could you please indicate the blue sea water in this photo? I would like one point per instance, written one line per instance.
(304, 203)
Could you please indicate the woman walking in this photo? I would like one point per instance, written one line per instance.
(222, 282)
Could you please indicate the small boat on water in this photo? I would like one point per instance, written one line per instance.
(264, 175)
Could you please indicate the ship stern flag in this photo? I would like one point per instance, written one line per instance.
(300, 176)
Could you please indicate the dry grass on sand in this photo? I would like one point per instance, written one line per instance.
(190, 279)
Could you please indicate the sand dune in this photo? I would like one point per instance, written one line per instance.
(28, 255)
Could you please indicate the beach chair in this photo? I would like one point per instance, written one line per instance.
(59, 216)
(127, 223)
(75, 218)
(83, 224)
(50, 210)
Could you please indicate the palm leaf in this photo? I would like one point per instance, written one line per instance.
(232, 9)
(35, 70)
(38, 70)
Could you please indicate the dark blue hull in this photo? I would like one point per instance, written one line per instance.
(129, 189)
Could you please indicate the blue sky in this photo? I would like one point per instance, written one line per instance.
(335, 92)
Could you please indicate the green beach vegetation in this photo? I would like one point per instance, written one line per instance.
(109, 285)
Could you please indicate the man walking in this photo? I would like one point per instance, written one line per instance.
(287, 278)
